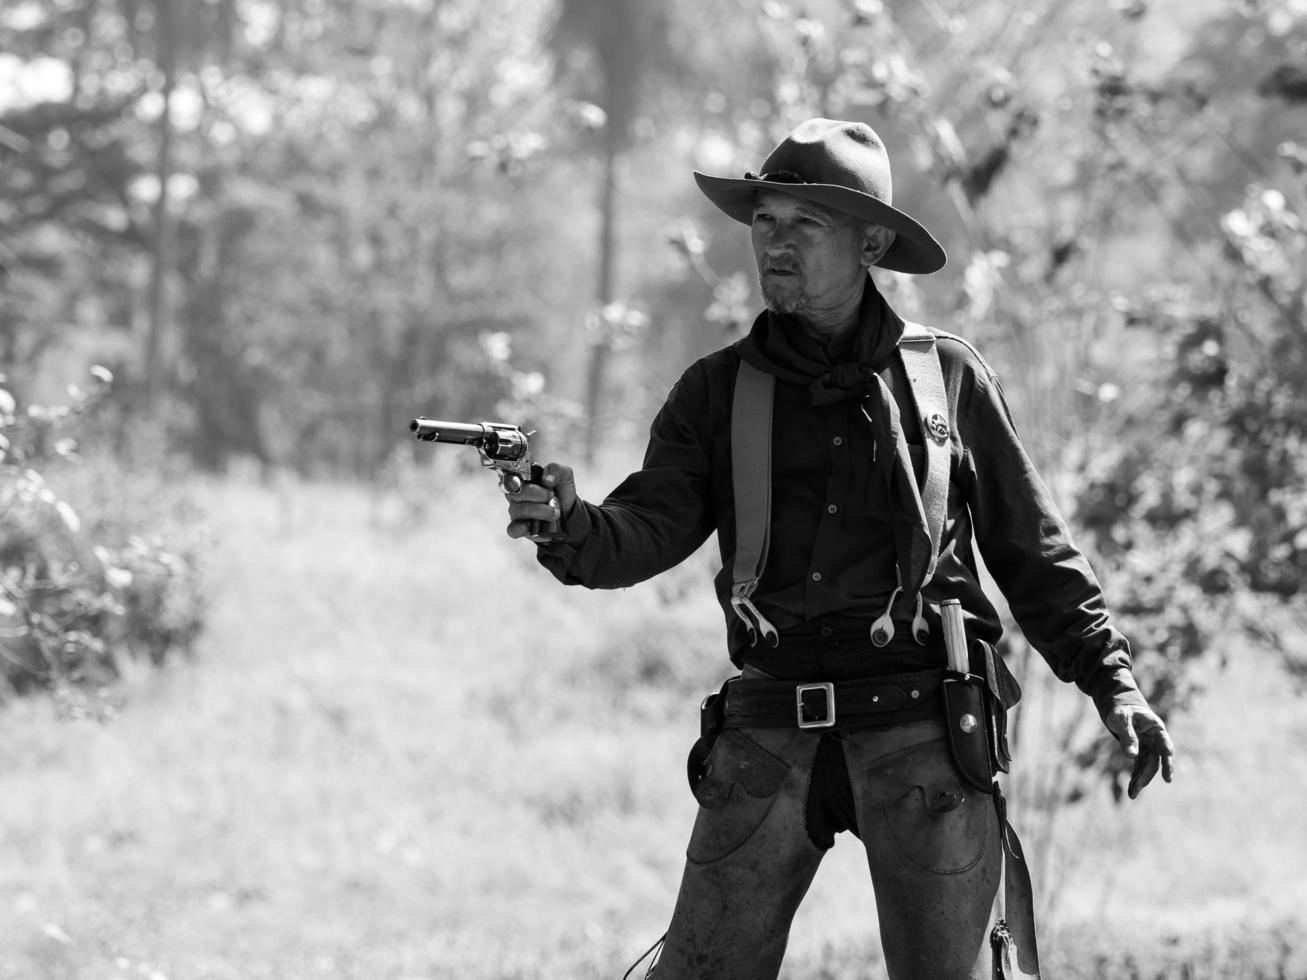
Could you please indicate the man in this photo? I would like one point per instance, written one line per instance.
(846, 603)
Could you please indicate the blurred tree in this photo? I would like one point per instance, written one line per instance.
(181, 33)
(73, 228)
(611, 49)
(386, 225)
(84, 164)
(347, 217)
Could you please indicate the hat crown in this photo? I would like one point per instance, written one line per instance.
(829, 151)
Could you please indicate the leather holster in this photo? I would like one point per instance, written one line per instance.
(966, 719)
(975, 712)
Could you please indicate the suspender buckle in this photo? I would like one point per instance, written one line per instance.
(803, 709)
(754, 621)
(920, 628)
(882, 630)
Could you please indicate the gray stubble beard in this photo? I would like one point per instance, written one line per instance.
(788, 302)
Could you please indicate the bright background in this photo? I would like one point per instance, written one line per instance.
(280, 699)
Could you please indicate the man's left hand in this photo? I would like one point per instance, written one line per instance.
(1143, 737)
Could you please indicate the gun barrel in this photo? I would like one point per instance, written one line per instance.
(460, 433)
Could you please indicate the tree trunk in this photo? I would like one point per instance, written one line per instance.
(600, 343)
(161, 245)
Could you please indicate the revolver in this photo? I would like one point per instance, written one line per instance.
(504, 448)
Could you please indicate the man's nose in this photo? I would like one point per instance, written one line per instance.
(779, 241)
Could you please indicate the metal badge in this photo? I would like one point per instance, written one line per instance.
(937, 426)
(968, 723)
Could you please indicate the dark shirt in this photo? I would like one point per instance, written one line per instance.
(831, 562)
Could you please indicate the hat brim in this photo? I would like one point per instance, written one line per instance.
(914, 251)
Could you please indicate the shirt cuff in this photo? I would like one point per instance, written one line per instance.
(1116, 689)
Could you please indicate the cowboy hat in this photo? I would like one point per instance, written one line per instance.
(843, 166)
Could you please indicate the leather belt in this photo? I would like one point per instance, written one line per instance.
(889, 700)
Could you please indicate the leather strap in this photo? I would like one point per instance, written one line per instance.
(751, 419)
(1016, 907)
(889, 700)
(751, 414)
(926, 382)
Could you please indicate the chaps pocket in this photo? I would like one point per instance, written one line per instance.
(740, 784)
(940, 824)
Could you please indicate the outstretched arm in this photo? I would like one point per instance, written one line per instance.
(653, 520)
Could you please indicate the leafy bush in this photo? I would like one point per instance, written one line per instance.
(75, 599)
(1195, 512)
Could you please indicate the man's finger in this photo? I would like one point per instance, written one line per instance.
(537, 506)
(1160, 743)
(560, 480)
(528, 492)
(1144, 771)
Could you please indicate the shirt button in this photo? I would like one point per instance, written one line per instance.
(837, 441)
(832, 509)
(816, 576)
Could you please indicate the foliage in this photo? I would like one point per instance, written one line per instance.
(1201, 527)
(325, 279)
(75, 603)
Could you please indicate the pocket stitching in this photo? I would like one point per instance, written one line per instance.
(960, 869)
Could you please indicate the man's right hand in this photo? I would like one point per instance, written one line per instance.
(548, 503)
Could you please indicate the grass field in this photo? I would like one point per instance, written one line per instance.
(402, 752)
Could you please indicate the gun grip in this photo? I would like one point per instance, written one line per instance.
(540, 531)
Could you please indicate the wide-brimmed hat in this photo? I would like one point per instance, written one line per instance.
(843, 166)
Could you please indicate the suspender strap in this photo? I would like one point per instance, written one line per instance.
(751, 425)
(926, 382)
(751, 415)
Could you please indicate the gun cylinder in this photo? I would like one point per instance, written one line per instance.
(955, 636)
(460, 433)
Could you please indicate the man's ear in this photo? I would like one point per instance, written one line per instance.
(875, 243)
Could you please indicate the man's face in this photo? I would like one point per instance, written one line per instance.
(809, 257)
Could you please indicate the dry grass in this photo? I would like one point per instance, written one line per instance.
(403, 752)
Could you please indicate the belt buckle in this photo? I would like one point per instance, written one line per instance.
(802, 689)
